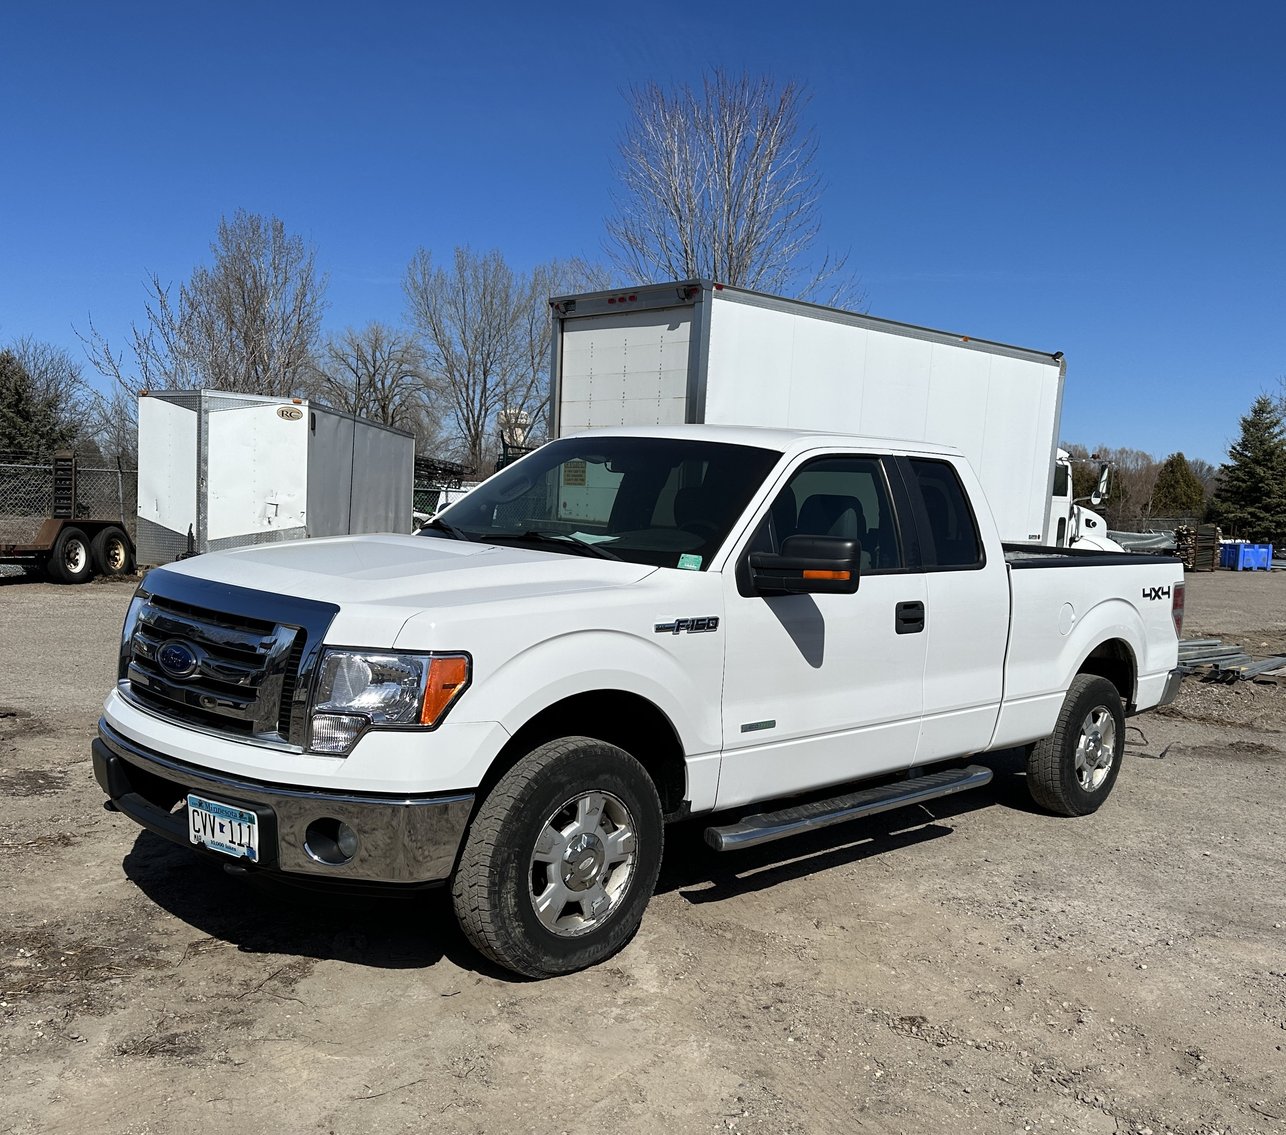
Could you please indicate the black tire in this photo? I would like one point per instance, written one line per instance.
(72, 559)
(499, 880)
(112, 552)
(1072, 771)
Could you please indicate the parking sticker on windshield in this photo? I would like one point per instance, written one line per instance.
(690, 562)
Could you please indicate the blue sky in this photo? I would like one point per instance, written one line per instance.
(1102, 179)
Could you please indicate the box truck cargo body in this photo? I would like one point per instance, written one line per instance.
(237, 469)
(667, 354)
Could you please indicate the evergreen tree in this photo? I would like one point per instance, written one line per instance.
(1250, 501)
(1178, 491)
(31, 420)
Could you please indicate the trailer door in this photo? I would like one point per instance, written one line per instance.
(626, 368)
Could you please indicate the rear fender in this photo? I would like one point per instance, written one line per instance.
(1037, 678)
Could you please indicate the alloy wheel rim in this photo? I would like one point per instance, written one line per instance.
(1095, 748)
(582, 863)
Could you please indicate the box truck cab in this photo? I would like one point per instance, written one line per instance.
(1071, 524)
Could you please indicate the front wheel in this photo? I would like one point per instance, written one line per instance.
(1072, 771)
(561, 859)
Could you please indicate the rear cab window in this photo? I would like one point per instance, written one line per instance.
(949, 536)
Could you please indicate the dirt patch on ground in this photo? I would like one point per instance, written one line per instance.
(31, 782)
(970, 966)
(1258, 705)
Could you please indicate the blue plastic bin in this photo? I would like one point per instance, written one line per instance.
(1246, 557)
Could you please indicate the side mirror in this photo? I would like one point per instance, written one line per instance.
(808, 565)
(1104, 475)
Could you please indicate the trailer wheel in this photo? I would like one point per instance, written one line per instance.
(112, 553)
(1072, 771)
(71, 560)
(561, 859)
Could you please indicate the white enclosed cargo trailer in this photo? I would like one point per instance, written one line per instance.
(694, 351)
(228, 470)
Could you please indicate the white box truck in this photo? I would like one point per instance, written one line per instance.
(699, 352)
(222, 470)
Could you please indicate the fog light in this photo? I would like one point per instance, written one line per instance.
(330, 841)
(335, 732)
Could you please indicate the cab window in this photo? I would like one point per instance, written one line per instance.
(952, 537)
(836, 496)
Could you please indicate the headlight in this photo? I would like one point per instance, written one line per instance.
(130, 625)
(360, 690)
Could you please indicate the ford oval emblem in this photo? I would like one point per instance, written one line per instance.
(177, 659)
(290, 413)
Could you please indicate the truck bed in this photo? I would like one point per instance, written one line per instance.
(1039, 556)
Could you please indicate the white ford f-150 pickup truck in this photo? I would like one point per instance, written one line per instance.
(623, 629)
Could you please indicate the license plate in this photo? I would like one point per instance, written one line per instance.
(221, 827)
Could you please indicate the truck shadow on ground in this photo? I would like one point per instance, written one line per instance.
(416, 929)
(701, 875)
(259, 915)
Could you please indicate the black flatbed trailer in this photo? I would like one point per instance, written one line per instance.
(71, 548)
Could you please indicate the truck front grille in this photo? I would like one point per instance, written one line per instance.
(229, 673)
(223, 658)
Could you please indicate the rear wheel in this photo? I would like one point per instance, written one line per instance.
(561, 859)
(71, 560)
(1072, 771)
(111, 551)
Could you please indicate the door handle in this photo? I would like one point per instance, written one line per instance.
(909, 617)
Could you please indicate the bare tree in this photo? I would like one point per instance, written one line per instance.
(485, 331)
(1134, 476)
(720, 183)
(249, 322)
(376, 372)
(1206, 473)
(530, 391)
(54, 373)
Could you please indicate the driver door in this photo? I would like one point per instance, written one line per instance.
(820, 689)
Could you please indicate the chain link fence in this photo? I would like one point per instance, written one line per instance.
(27, 497)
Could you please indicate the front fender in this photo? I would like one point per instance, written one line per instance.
(680, 675)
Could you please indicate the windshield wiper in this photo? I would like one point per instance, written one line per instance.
(450, 529)
(562, 541)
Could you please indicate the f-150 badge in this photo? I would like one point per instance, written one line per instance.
(691, 626)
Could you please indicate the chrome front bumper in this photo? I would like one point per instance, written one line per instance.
(401, 839)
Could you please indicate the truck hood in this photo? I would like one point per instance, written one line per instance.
(380, 581)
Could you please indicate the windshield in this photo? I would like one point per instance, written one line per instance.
(660, 501)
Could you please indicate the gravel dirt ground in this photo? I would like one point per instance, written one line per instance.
(970, 966)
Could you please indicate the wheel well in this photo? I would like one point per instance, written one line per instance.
(623, 719)
(1114, 661)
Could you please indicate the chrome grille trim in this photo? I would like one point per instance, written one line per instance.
(255, 655)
